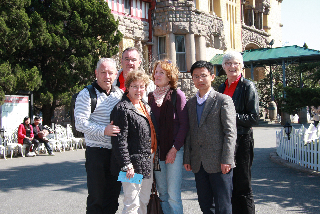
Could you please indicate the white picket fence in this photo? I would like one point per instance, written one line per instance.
(303, 148)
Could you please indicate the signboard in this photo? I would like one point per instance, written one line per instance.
(14, 109)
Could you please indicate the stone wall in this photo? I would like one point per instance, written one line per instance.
(181, 17)
(186, 85)
(251, 35)
(275, 23)
(133, 28)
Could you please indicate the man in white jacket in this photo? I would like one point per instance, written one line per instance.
(103, 187)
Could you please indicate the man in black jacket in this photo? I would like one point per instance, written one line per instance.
(246, 102)
(39, 134)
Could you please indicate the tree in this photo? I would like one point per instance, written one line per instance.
(15, 73)
(297, 75)
(65, 39)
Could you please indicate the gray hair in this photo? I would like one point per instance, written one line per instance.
(233, 55)
(102, 60)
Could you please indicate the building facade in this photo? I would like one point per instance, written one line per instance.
(189, 30)
(185, 31)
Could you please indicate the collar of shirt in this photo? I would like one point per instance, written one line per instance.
(95, 84)
(230, 90)
(204, 98)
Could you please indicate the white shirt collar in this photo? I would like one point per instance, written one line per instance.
(204, 98)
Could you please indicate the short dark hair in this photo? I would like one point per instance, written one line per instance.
(202, 64)
(133, 49)
(36, 118)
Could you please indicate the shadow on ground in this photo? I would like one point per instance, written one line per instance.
(67, 176)
(276, 184)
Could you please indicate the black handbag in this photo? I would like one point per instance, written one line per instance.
(154, 206)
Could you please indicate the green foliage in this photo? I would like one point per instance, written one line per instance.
(218, 81)
(52, 47)
(295, 75)
(297, 98)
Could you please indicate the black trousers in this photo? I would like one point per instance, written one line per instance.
(29, 143)
(214, 188)
(45, 144)
(242, 196)
(103, 187)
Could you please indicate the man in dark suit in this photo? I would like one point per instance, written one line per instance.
(39, 134)
(210, 144)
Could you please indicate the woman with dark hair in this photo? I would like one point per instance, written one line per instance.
(168, 105)
(25, 136)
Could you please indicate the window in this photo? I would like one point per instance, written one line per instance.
(134, 8)
(127, 6)
(162, 47)
(110, 4)
(210, 6)
(143, 10)
(181, 52)
(138, 13)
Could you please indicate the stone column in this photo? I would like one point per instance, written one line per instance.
(242, 13)
(252, 17)
(171, 48)
(190, 50)
(200, 48)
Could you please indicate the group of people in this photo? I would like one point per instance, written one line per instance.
(148, 127)
(32, 135)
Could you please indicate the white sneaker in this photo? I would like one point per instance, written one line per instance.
(52, 154)
(30, 154)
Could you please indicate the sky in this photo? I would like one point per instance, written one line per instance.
(301, 23)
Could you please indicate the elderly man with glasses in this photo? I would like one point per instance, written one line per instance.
(246, 102)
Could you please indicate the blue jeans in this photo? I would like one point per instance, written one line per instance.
(169, 184)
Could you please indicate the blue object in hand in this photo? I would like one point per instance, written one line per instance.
(137, 178)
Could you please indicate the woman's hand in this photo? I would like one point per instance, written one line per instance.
(171, 156)
(130, 173)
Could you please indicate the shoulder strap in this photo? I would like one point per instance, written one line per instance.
(93, 97)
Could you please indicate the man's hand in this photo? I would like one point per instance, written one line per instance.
(225, 168)
(171, 156)
(187, 167)
(111, 130)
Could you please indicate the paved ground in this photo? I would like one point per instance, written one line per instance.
(57, 184)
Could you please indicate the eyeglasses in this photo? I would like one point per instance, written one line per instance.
(128, 59)
(136, 87)
(202, 76)
(235, 64)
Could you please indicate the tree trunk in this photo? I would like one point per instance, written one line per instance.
(47, 114)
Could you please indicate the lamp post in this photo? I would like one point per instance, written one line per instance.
(2, 135)
(2, 132)
(287, 128)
